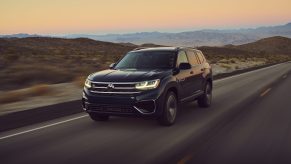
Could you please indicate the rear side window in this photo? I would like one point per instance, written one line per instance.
(182, 58)
(192, 57)
(201, 57)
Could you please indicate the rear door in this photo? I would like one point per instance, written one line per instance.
(201, 70)
(196, 73)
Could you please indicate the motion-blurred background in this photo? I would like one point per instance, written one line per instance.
(48, 48)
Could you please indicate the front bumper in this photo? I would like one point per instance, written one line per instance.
(145, 104)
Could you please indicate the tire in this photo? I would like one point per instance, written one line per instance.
(98, 117)
(205, 100)
(170, 106)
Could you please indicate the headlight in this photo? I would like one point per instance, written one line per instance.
(88, 84)
(146, 85)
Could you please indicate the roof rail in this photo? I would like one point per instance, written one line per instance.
(139, 48)
(193, 48)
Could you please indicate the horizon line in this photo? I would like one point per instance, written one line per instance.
(173, 31)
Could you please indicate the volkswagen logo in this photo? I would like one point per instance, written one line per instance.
(110, 86)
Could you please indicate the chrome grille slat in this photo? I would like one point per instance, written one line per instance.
(124, 88)
(113, 82)
(119, 88)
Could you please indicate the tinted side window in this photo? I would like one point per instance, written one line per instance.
(182, 58)
(201, 58)
(192, 57)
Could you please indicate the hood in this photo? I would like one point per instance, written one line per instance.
(128, 75)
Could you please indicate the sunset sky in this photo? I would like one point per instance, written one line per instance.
(122, 16)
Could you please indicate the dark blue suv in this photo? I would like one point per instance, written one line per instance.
(149, 82)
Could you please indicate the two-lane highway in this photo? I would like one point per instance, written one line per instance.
(260, 134)
(132, 140)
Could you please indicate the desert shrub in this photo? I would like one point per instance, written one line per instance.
(38, 90)
(224, 65)
(224, 61)
(233, 60)
(10, 97)
(242, 59)
(18, 95)
(20, 76)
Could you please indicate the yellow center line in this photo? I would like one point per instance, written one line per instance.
(265, 92)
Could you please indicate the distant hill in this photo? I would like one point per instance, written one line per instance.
(274, 49)
(29, 61)
(267, 46)
(20, 35)
(60, 46)
(272, 45)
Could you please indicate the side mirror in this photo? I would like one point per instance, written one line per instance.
(176, 71)
(184, 66)
(112, 65)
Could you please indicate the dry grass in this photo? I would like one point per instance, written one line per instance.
(30, 61)
(10, 97)
(224, 61)
(39, 90)
(18, 95)
(224, 65)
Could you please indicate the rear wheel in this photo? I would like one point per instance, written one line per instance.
(170, 110)
(206, 99)
(98, 117)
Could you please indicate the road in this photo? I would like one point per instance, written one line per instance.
(260, 134)
(77, 139)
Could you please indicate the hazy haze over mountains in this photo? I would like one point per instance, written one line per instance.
(190, 38)
(196, 38)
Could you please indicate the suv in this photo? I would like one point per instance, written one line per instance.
(149, 82)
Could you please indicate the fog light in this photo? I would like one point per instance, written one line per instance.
(145, 107)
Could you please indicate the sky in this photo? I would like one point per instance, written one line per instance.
(125, 16)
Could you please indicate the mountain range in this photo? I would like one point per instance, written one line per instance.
(196, 38)
(207, 37)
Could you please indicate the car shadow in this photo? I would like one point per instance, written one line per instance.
(187, 112)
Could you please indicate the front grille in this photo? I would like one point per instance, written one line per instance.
(124, 109)
(118, 88)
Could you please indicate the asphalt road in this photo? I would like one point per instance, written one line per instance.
(260, 134)
(236, 125)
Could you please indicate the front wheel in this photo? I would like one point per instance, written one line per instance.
(170, 110)
(205, 99)
(98, 117)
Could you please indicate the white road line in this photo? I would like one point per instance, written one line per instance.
(265, 92)
(242, 74)
(43, 127)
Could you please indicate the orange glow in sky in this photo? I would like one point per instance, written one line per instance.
(93, 16)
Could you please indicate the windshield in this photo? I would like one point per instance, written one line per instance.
(147, 60)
